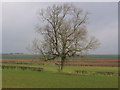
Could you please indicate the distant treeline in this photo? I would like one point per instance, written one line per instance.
(11, 53)
(38, 56)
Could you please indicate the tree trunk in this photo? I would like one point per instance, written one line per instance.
(61, 63)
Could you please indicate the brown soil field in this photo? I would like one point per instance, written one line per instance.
(72, 62)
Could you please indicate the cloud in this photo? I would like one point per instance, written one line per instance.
(20, 19)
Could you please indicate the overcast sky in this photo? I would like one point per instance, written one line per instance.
(20, 19)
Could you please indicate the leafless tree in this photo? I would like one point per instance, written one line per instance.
(64, 30)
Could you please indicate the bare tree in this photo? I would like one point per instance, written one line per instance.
(64, 30)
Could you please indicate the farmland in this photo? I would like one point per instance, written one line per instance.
(89, 57)
(90, 60)
(97, 71)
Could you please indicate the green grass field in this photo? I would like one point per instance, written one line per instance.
(51, 78)
(31, 79)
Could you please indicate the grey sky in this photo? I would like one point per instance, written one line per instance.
(0, 27)
(20, 19)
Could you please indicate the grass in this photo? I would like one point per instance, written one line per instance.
(51, 78)
(13, 78)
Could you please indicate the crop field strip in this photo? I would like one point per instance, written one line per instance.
(113, 63)
(17, 64)
(96, 62)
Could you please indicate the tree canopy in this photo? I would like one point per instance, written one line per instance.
(64, 30)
